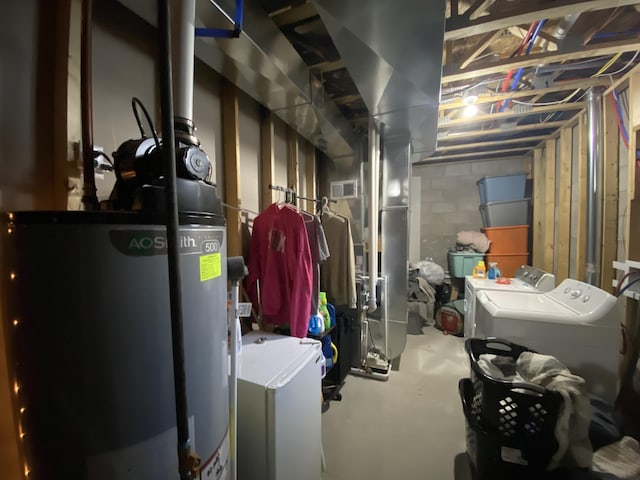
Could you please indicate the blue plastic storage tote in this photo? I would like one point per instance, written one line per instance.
(502, 189)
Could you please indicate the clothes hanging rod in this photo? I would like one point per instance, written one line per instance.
(290, 190)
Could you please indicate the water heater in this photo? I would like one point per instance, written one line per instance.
(87, 325)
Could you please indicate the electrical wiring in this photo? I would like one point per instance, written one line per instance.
(626, 287)
(135, 103)
(548, 104)
(623, 278)
(620, 70)
(607, 65)
(620, 120)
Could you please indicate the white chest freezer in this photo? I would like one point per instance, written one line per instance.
(279, 408)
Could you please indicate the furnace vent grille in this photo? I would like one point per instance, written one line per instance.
(344, 189)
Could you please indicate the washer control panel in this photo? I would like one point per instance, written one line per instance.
(538, 279)
(582, 297)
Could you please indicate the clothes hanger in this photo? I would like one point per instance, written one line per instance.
(326, 210)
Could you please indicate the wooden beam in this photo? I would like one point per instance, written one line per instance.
(581, 210)
(478, 9)
(455, 8)
(588, 36)
(557, 87)
(623, 81)
(524, 13)
(310, 175)
(455, 136)
(293, 165)
(563, 206)
(479, 47)
(231, 154)
(325, 67)
(538, 209)
(347, 99)
(511, 141)
(502, 66)
(610, 174)
(267, 158)
(513, 114)
(475, 154)
(549, 206)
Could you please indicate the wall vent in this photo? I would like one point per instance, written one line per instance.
(344, 189)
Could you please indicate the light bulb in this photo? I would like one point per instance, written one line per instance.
(470, 111)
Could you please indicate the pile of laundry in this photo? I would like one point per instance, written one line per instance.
(425, 287)
(472, 242)
(590, 446)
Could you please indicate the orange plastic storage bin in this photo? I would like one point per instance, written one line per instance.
(508, 263)
(513, 239)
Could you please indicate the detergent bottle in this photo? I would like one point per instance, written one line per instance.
(479, 271)
(323, 310)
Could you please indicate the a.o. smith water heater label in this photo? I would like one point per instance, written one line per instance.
(142, 243)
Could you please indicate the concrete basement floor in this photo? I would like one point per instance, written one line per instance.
(408, 428)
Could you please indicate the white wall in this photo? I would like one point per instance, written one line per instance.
(18, 74)
(123, 67)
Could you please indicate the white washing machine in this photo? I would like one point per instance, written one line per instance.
(576, 322)
(526, 280)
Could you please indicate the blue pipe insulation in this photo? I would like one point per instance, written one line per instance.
(623, 129)
(535, 35)
(516, 78)
(238, 20)
(614, 34)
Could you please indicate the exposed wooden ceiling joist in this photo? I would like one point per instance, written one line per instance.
(478, 8)
(523, 13)
(325, 67)
(558, 87)
(511, 141)
(480, 47)
(347, 99)
(513, 114)
(589, 51)
(511, 151)
(457, 136)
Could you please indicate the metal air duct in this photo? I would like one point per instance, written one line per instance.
(263, 64)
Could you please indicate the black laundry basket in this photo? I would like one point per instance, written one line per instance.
(510, 425)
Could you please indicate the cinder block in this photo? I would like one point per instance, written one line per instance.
(458, 169)
(443, 207)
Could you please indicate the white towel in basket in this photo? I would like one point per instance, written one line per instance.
(572, 424)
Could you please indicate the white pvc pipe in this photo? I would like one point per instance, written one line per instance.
(183, 15)
(374, 194)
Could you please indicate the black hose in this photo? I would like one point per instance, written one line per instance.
(175, 289)
(89, 192)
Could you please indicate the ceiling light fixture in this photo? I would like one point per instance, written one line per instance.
(470, 110)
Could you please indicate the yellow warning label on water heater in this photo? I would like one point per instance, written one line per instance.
(210, 266)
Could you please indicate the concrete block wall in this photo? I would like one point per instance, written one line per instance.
(449, 201)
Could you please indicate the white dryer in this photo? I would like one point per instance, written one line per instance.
(575, 322)
(526, 280)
